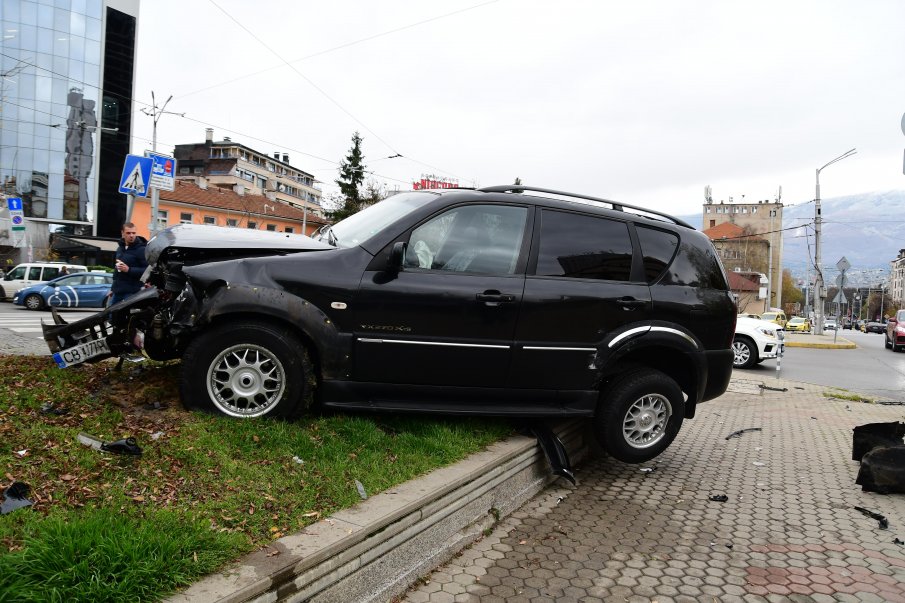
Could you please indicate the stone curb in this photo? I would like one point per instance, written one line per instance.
(378, 548)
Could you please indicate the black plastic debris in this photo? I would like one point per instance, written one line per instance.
(15, 496)
(738, 434)
(773, 389)
(719, 498)
(554, 449)
(48, 408)
(869, 436)
(126, 446)
(884, 523)
(897, 541)
(883, 470)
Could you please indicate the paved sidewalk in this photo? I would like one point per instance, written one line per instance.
(788, 531)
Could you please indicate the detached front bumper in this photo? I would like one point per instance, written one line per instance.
(102, 335)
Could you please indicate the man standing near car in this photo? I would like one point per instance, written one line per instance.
(130, 264)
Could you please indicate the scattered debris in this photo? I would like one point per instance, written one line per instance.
(298, 461)
(157, 435)
(126, 446)
(798, 387)
(361, 490)
(883, 470)
(891, 402)
(884, 523)
(897, 541)
(155, 405)
(15, 497)
(867, 437)
(647, 469)
(554, 449)
(560, 499)
(773, 389)
(738, 434)
(759, 464)
(719, 498)
(48, 408)
(21, 453)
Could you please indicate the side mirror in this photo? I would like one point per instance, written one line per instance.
(397, 255)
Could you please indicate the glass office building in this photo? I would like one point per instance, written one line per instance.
(66, 88)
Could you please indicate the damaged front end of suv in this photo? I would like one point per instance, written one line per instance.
(158, 321)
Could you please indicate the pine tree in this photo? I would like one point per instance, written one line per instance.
(351, 176)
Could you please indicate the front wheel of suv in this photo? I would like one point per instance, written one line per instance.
(250, 369)
(639, 415)
(744, 353)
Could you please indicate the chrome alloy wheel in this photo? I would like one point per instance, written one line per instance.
(246, 380)
(742, 353)
(645, 421)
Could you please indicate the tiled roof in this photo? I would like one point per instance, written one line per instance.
(738, 282)
(728, 230)
(227, 199)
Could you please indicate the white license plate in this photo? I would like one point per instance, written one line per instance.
(81, 353)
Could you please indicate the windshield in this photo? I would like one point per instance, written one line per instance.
(358, 228)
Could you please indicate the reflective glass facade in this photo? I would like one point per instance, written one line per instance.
(54, 113)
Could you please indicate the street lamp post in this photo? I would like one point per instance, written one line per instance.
(818, 224)
(155, 112)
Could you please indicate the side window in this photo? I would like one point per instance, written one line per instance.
(17, 274)
(481, 239)
(696, 266)
(580, 246)
(50, 273)
(34, 273)
(658, 248)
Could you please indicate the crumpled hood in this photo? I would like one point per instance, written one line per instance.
(237, 240)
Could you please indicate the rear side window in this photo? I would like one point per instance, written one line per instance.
(50, 273)
(658, 247)
(34, 273)
(580, 246)
(695, 266)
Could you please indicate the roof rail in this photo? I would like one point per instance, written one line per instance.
(518, 188)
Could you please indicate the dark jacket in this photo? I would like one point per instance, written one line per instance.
(133, 257)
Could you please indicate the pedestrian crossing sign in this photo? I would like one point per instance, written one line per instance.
(136, 176)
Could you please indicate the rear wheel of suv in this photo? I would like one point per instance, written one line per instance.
(744, 353)
(639, 415)
(250, 369)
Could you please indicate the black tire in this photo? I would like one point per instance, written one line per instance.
(744, 352)
(33, 302)
(250, 369)
(639, 415)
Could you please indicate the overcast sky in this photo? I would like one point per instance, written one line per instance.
(642, 102)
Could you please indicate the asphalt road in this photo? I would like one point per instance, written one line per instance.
(20, 329)
(869, 369)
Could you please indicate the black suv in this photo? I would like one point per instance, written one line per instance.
(508, 301)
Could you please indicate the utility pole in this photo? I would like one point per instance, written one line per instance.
(155, 114)
(819, 291)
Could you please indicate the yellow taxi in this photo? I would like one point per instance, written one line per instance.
(799, 324)
(779, 317)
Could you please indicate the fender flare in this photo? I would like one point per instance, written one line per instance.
(332, 346)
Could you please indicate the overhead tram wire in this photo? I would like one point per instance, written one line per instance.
(345, 45)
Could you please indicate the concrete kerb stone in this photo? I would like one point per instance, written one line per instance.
(824, 342)
(374, 550)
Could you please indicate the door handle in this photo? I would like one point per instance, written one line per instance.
(495, 298)
(630, 302)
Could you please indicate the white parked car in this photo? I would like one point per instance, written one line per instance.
(755, 341)
(829, 324)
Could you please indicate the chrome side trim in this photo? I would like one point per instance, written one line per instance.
(627, 334)
(676, 332)
(435, 343)
(554, 349)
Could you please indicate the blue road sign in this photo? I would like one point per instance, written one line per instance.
(14, 203)
(136, 178)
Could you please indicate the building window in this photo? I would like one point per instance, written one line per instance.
(210, 220)
(252, 225)
(183, 170)
(289, 229)
(198, 170)
(272, 227)
(163, 218)
(185, 218)
(232, 222)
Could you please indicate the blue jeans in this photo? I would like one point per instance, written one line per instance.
(118, 297)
